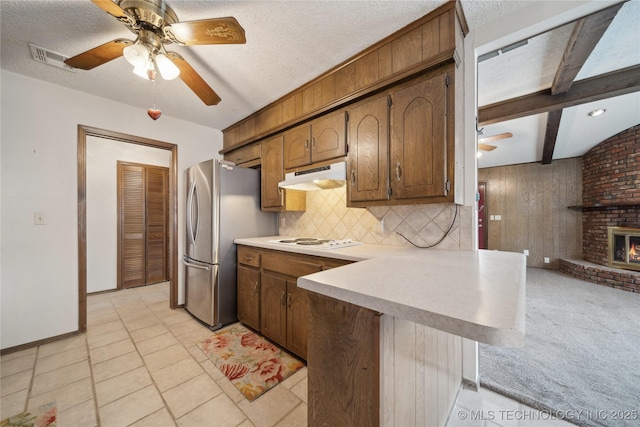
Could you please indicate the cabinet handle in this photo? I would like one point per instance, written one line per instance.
(289, 300)
(282, 298)
(248, 257)
(353, 177)
(398, 172)
(255, 287)
(306, 144)
(313, 143)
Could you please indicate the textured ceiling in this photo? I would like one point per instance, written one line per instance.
(288, 44)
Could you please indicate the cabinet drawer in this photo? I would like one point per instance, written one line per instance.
(289, 265)
(244, 154)
(248, 256)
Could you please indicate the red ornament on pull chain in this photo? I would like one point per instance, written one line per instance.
(154, 113)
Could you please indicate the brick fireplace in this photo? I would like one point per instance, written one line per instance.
(611, 198)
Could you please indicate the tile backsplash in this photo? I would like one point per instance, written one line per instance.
(327, 216)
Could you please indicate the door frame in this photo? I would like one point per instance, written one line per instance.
(83, 133)
(482, 210)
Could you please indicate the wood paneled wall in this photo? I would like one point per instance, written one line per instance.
(532, 201)
(421, 374)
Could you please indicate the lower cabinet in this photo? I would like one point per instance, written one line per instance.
(269, 299)
(274, 311)
(249, 296)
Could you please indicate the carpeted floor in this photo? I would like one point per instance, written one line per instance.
(581, 358)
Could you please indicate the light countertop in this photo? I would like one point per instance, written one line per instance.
(479, 295)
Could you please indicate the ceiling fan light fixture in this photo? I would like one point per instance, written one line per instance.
(168, 69)
(146, 71)
(137, 55)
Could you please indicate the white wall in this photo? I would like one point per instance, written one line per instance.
(39, 263)
(102, 204)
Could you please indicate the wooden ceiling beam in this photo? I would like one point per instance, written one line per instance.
(586, 34)
(604, 86)
(551, 135)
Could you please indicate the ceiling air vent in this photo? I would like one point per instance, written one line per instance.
(50, 58)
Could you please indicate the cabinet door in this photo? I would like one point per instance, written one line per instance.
(273, 309)
(367, 162)
(297, 319)
(297, 147)
(249, 297)
(248, 154)
(328, 137)
(271, 174)
(418, 140)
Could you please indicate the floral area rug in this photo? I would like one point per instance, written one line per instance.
(45, 416)
(252, 363)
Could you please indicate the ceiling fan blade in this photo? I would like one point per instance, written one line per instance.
(495, 137)
(207, 31)
(485, 147)
(193, 80)
(111, 8)
(99, 55)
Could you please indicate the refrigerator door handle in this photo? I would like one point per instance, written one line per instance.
(202, 267)
(193, 232)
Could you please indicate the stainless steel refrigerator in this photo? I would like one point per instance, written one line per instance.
(223, 203)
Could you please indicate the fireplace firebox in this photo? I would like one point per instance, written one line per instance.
(624, 248)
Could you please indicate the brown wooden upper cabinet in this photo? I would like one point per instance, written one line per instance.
(322, 139)
(418, 146)
(247, 156)
(368, 159)
(401, 144)
(271, 173)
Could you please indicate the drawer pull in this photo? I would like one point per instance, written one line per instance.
(282, 298)
(289, 300)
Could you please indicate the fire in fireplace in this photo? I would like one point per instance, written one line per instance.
(624, 248)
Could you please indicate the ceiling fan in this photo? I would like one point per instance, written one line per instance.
(156, 25)
(486, 147)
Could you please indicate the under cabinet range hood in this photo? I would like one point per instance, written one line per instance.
(318, 178)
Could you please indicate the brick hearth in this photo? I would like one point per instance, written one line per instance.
(602, 275)
(611, 197)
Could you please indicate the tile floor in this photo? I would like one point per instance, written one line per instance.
(138, 365)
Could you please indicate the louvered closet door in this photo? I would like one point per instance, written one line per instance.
(133, 225)
(142, 206)
(156, 201)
